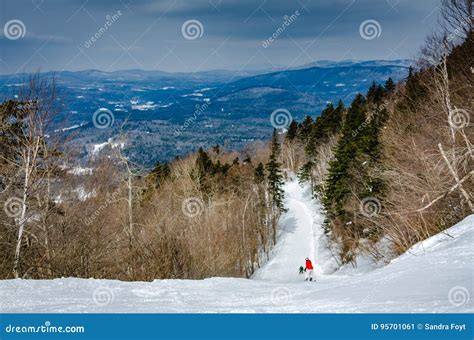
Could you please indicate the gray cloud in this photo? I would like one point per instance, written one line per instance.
(148, 33)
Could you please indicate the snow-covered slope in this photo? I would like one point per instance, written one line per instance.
(435, 275)
(299, 236)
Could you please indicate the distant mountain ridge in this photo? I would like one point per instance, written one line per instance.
(140, 74)
(237, 104)
(352, 62)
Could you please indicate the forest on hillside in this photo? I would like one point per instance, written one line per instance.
(396, 164)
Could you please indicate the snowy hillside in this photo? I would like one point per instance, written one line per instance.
(299, 236)
(433, 276)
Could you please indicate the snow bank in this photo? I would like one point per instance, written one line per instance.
(443, 239)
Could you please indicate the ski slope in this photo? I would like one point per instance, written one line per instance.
(435, 275)
(299, 236)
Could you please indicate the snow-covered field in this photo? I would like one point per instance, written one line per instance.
(433, 276)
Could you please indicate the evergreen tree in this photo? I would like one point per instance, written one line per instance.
(379, 94)
(336, 119)
(159, 173)
(375, 93)
(259, 173)
(371, 91)
(304, 175)
(324, 126)
(155, 179)
(275, 177)
(357, 151)
(414, 91)
(206, 168)
(389, 85)
(305, 128)
(292, 131)
(339, 175)
(313, 141)
(204, 163)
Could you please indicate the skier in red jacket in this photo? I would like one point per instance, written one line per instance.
(309, 270)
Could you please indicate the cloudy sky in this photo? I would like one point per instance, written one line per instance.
(197, 35)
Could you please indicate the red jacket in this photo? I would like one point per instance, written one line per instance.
(309, 265)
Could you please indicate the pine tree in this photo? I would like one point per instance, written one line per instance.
(339, 175)
(335, 120)
(371, 91)
(159, 173)
(259, 173)
(305, 128)
(320, 130)
(203, 163)
(326, 125)
(154, 180)
(304, 175)
(414, 91)
(357, 152)
(292, 131)
(206, 168)
(389, 85)
(275, 177)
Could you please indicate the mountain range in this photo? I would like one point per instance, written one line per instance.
(172, 114)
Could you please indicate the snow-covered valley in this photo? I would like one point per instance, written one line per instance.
(435, 275)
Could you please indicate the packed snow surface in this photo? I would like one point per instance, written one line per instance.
(435, 275)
